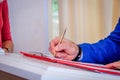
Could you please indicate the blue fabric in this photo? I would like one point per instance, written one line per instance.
(104, 51)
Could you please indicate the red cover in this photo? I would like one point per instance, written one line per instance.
(86, 66)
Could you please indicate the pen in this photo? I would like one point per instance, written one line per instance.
(61, 38)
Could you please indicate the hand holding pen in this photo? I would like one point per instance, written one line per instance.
(63, 48)
(61, 38)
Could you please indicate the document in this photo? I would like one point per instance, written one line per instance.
(2, 51)
(41, 67)
(81, 65)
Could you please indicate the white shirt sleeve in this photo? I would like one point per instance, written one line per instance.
(81, 56)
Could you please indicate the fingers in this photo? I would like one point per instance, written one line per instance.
(114, 65)
(63, 55)
(52, 44)
(66, 50)
(60, 55)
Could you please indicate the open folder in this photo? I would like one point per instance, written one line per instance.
(87, 66)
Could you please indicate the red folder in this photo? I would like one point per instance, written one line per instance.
(86, 66)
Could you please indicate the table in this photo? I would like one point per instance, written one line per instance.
(23, 67)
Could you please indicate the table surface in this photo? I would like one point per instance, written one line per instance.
(34, 69)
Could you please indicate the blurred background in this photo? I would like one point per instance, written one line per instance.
(34, 23)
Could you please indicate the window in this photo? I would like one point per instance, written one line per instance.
(55, 19)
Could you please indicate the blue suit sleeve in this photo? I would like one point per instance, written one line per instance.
(104, 51)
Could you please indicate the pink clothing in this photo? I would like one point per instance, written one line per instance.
(5, 33)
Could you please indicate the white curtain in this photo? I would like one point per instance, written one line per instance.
(87, 20)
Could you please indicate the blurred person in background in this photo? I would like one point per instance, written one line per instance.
(6, 43)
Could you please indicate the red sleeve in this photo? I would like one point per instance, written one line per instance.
(6, 34)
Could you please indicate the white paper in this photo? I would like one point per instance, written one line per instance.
(2, 52)
(48, 70)
(57, 73)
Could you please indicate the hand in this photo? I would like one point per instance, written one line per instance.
(114, 65)
(8, 46)
(67, 50)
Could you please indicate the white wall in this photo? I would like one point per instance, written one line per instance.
(29, 25)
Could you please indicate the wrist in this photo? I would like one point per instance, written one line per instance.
(78, 55)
